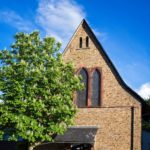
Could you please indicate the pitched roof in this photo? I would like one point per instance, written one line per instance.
(108, 61)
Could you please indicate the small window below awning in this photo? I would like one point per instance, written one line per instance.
(78, 134)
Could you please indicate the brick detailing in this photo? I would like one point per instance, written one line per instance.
(90, 72)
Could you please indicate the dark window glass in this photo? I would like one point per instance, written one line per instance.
(96, 88)
(80, 42)
(82, 95)
(87, 41)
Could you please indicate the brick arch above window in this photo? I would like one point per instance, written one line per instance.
(82, 67)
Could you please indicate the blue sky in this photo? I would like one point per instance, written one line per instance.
(122, 27)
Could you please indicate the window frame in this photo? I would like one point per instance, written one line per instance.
(87, 42)
(100, 85)
(90, 72)
(87, 92)
(80, 42)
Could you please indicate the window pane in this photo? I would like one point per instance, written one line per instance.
(87, 41)
(96, 88)
(82, 95)
(80, 42)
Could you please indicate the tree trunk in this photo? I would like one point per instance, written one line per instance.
(32, 146)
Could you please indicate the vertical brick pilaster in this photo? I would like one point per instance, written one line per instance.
(89, 88)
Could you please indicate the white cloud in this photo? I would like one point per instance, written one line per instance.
(53, 18)
(144, 90)
(59, 18)
(12, 18)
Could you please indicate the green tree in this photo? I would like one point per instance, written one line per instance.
(36, 90)
(148, 101)
(146, 123)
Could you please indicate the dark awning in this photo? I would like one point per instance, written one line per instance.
(78, 134)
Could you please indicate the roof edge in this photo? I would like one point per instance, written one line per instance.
(83, 20)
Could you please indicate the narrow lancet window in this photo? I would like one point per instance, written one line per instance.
(82, 95)
(87, 41)
(96, 89)
(80, 42)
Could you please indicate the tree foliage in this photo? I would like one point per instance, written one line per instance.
(36, 89)
(148, 101)
(146, 122)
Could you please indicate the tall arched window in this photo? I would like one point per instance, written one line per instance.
(87, 41)
(82, 95)
(96, 89)
(80, 42)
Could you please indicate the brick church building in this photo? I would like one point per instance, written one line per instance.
(110, 112)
